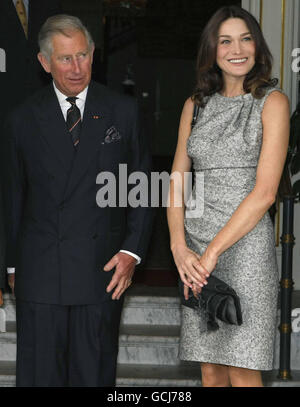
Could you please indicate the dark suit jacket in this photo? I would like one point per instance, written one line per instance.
(2, 243)
(24, 74)
(60, 237)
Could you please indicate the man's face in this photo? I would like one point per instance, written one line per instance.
(70, 64)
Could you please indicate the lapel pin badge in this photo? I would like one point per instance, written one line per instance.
(96, 117)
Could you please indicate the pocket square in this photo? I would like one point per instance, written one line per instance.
(111, 135)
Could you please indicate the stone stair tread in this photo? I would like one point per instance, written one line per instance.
(185, 375)
(150, 330)
(134, 290)
(296, 299)
(10, 326)
(188, 373)
(7, 368)
(142, 290)
(153, 336)
(188, 370)
(158, 371)
(135, 330)
(272, 376)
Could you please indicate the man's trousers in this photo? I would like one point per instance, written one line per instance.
(60, 345)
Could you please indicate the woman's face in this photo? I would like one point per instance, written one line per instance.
(235, 49)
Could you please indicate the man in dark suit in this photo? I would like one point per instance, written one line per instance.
(2, 249)
(23, 73)
(75, 258)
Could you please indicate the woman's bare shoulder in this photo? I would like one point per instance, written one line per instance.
(275, 107)
(276, 99)
(188, 108)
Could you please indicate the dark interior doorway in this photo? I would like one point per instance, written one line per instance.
(147, 48)
(150, 52)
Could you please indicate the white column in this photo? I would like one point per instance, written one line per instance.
(272, 27)
(291, 42)
(280, 25)
(253, 6)
(279, 20)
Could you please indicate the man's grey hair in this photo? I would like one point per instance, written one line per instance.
(60, 24)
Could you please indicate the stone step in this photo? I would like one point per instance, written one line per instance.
(151, 305)
(144, 338)
(142, 305)
(146, 344)
(8, 342)
(7, 311)
(184, 375)
(7, 373)
(137, 344)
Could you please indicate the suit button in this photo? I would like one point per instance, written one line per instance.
(61, 206)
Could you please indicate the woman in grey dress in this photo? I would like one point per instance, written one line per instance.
(239, 144)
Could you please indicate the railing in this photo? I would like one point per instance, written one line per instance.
(286, 283)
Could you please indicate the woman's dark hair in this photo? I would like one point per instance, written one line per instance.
(209, 75)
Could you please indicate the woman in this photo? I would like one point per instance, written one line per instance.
(239, 143)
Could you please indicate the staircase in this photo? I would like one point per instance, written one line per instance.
(149, 339)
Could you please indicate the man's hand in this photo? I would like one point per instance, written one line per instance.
(1, 297)
(122, 276)
(11, 282)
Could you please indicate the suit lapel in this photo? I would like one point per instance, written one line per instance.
(54, 130)
(94, 124)
(10, 14)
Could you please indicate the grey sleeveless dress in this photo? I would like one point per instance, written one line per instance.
(224, 146)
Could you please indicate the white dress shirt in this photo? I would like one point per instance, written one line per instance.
(65, 105)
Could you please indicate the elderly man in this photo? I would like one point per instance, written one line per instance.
(75, 258)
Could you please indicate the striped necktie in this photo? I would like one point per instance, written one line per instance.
(74, 120)
(21, 11)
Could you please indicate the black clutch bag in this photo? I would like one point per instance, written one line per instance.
(218, 300)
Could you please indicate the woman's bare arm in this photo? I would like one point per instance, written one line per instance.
(186, 260)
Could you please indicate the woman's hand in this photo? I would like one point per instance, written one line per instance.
(192, 273)
(209, 261)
